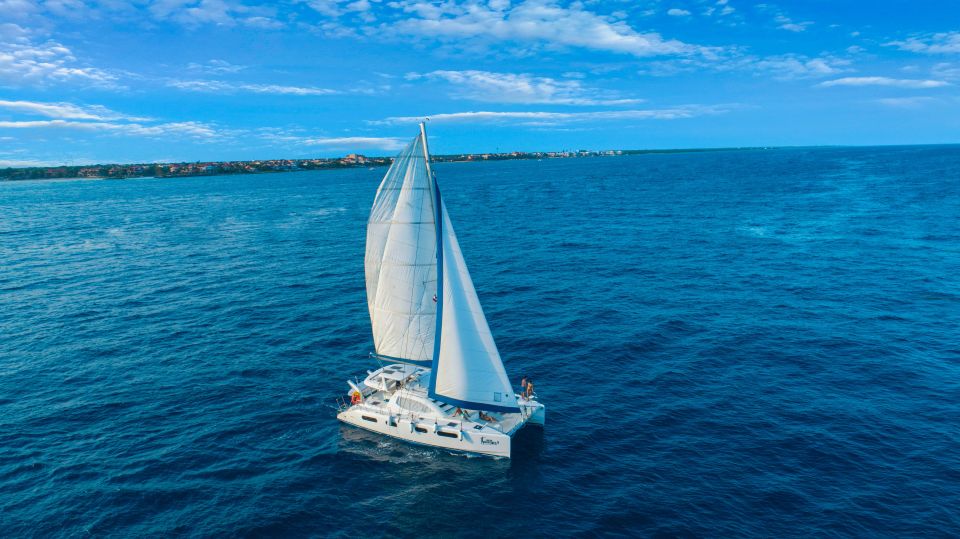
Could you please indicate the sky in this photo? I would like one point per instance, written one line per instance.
(184, 80)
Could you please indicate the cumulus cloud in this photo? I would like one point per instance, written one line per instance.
(535, 23)
(18, 10)
(194, 13)
(677, 12)
(885, 81)
(25, 63)
(338, 8)
(523, 88)
(939, 43)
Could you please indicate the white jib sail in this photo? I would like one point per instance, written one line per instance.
(401, 260)
(469, 371)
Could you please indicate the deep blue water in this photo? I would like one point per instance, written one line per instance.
(750, 344)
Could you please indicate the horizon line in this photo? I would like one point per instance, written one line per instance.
(498, 153)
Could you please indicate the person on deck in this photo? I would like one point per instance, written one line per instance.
(529, 392)
(487, 418)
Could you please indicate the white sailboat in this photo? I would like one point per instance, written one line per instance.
(441, 381)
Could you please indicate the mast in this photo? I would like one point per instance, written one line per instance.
(438, 219)
(426, 151)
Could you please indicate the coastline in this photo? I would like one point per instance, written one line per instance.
(221, 168)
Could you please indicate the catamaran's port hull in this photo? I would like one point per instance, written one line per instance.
(539, 416)
(428, 432)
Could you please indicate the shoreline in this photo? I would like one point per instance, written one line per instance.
(226, 168)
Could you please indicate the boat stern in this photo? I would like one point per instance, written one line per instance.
(535, 412)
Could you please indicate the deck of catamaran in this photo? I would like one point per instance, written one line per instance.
(394, 400)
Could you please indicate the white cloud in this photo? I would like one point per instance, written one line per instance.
(779, 67)
(532, 24)
(546, 118)
(24, 163)
(677, 12)
(782, 21)
(70, 9)
(905, 102)
(884, 81)
(338, 8)
(795, 66)
(195, 130)
(194, 13)
(96, 118)
(216, 67)
(18, 10)
(946, 70)
(222, 86)
(262, 22)
(523, 88)
(65, 111)
(939, 43)
(382, 143)
(24, 63)
(795, 26)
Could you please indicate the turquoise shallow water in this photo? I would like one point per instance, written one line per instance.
(752, 344)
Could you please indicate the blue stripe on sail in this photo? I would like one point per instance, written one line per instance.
(438, 217)
(417, 362)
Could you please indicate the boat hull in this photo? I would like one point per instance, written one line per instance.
(428, 432)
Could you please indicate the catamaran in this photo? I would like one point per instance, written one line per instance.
(441, 381)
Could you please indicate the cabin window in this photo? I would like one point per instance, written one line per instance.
(420, 429)
(447, 434)
(497, 397)
(368, 418)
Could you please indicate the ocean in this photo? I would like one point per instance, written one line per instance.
(736, 343)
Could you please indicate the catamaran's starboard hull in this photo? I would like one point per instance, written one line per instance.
(428, 432)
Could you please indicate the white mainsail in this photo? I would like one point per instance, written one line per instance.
(401, 261)
(404, 296)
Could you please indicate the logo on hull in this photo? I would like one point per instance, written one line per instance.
(488, 441)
